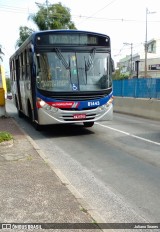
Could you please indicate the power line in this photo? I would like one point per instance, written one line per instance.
(125, 48)
(13, 9)
(116, 19)
(102, 8)
(99, 10)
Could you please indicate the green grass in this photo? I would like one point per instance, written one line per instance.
(5, 136)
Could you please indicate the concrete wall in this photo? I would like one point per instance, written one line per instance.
(148, 108)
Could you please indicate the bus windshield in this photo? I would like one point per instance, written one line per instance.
(73, 71)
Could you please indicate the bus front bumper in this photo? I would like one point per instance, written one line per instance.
(58, 116)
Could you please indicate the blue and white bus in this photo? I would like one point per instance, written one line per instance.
(63, 76)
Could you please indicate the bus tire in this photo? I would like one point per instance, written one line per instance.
(88, 124)
(37, 126)
(20, 114)
(30, 116)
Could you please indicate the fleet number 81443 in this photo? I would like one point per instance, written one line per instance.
(95, 103)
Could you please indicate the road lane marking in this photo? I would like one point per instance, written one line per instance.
(131, 135)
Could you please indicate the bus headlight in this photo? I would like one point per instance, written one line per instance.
(103, 107)
(44, 105)
(109, 102)
(40, 103)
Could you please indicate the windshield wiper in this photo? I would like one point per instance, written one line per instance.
(61, 57)
(90, 60)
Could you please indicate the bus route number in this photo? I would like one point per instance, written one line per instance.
(95, 103)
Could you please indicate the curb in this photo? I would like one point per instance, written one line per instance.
(84, 205)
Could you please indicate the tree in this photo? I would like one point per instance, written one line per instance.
(24, 33)
(54, 16)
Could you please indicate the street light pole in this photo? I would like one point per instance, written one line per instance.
(146, 45)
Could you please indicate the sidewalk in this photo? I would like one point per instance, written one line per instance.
(30, 191)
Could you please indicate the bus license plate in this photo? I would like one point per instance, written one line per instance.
(79, 116)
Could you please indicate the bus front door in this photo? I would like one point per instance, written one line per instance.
(18, 85)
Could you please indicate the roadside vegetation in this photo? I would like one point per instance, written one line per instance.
(5, 136)
(117, 75)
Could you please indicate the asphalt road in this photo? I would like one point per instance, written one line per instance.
(114, 165)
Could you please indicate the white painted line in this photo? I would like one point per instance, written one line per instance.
(131, 135)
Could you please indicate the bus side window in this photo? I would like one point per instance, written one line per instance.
(14, 70)
(27, 65)
(24, 65)
(19, 68)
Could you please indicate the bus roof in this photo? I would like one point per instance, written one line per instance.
(69, 31)
(34, 34)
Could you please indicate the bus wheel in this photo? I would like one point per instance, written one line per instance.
(37, 126)
(88, 124)
(20, 114)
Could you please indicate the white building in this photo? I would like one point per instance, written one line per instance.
(128, 64)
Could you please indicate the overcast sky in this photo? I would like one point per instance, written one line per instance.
(123, 20)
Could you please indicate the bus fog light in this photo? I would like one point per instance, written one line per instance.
(102, 107)
(54, 110)
(47, 107)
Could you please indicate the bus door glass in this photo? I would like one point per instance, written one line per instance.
(18, 82)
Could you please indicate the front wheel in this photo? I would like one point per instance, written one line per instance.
(20, 114)
(31, 119)
(37, 126)
(88, 124)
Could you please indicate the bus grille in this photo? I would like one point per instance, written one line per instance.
(80, 96)
(76, 109)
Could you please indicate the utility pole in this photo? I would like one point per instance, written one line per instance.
(137, 67)
(131, 59)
